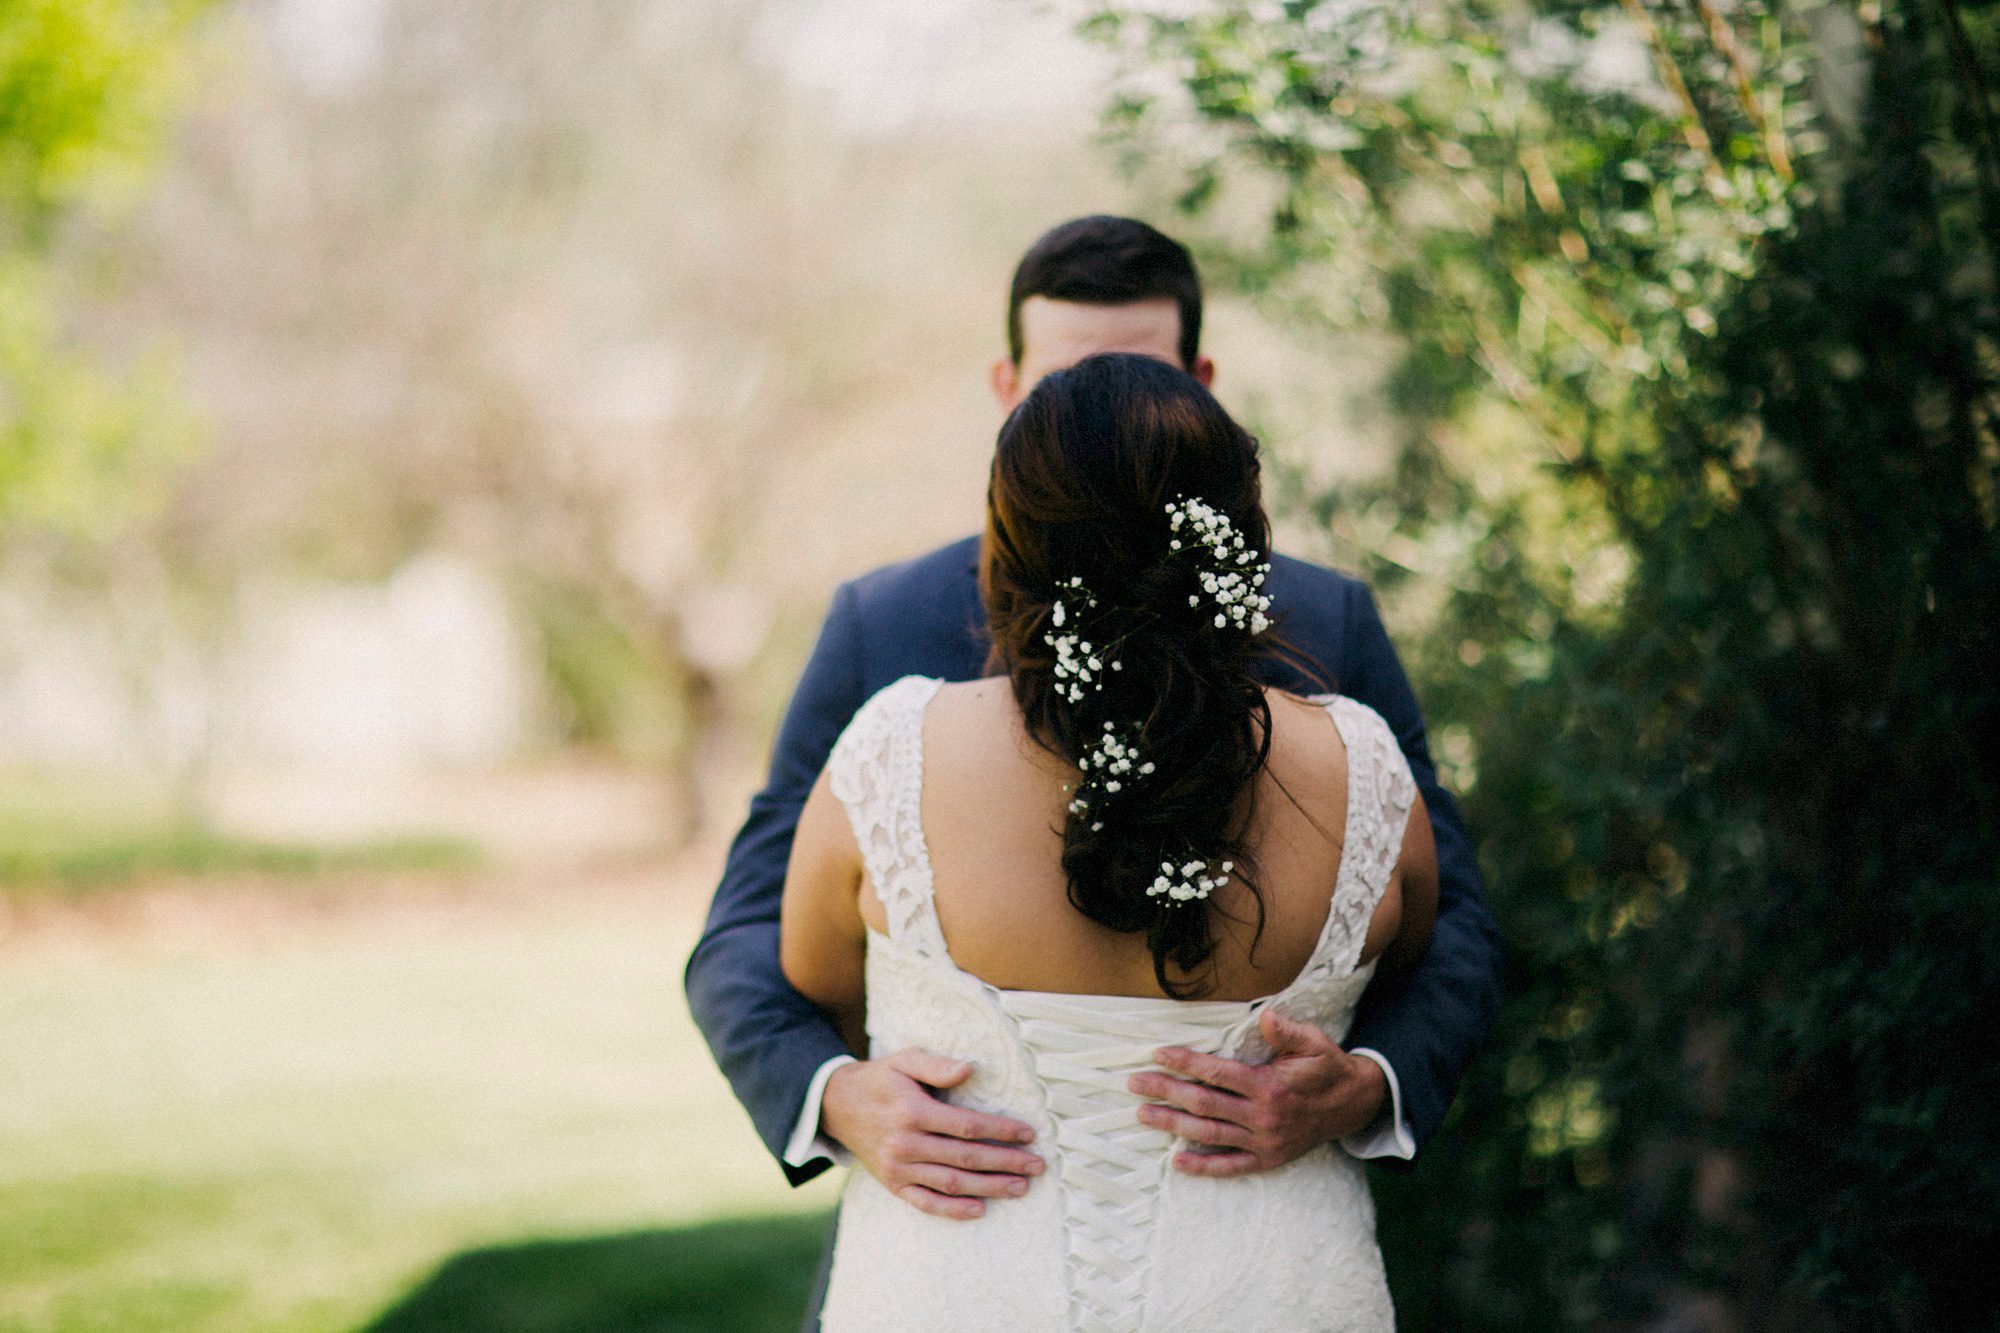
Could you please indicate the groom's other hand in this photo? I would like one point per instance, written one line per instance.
(1259, 1117)
(945, 1160)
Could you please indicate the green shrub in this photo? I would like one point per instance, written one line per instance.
(1699, 477)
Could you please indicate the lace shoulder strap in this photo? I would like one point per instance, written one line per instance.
(1380, 793)
(877, 771)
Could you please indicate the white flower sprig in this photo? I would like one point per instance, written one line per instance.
(1078, 665)
(1236, 579)
(1189, 881)
(1113, 759)
(1112, 762)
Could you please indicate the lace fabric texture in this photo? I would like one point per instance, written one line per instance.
(1110, 1239)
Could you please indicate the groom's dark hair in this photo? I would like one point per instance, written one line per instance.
(1105, 260)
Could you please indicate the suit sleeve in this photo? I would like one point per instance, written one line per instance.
(1430, 1022)
(767, 1038)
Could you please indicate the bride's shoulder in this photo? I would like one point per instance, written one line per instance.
(974, 724)
(897, 697)
(983, 691)
(907, 687)
(1342, 707)
(1288, 707)
(1298, 721)
(973, 703)
(1299, 728)
(880, 711)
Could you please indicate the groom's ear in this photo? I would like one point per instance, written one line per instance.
(1203, 369)
(1005, 377)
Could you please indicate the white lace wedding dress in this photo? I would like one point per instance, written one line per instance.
(1110, 1238)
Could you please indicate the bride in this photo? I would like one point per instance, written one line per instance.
(1118, 841)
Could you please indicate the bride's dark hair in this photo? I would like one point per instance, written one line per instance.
(1082, 476)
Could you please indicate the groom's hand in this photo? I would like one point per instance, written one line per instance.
(1257, 1117)
(943, 1159)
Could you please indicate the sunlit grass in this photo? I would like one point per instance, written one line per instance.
(301, 1135)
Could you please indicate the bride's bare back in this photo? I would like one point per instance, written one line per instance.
(992, 814)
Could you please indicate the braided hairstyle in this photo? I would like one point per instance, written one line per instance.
(1085, 565)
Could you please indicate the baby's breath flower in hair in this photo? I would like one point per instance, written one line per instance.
(1232, 577)
(1114, 760)
(1189, 881)
(1077, 665)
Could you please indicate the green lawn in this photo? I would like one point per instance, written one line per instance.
(447, 1113)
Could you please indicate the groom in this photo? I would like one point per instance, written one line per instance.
(1096, 284)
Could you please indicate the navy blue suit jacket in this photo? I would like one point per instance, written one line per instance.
(924, 617)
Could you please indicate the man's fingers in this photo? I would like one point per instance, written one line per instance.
(936, 1070)
(1217, 1165)
(1194, 1128)
(957, 1122)
(1196, 1098)
(1231, 1074)
(969, 1156)
(1288, 1036)
(964, 1184)
(941, 1205)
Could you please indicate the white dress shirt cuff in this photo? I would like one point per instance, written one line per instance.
(1389, 1135)
(808, 1145)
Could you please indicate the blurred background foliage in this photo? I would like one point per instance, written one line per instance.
(452, 391)
(87, 88)
(1692, 531)
(458, 386)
